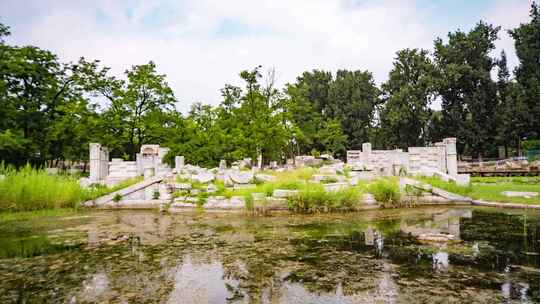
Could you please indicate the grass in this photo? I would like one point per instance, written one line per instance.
(314, 198)
(525, 180)
(386, 191)
(448, 186)
(30, 189)
(491, 188)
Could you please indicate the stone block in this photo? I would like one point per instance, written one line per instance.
(463, 179)
(264, 177)
(243, 186)
(204, 177)
(241, 177)
(334, 187)
(282, 193)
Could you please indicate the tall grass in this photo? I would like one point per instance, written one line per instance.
(386, 191)
(32, 189)
(29, 189)
(314, 198)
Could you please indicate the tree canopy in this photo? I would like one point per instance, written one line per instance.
(51, 110)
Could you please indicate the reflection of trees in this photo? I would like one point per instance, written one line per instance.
(508, 238)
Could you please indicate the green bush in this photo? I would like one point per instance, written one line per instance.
(117, 198)
(385, 191)
(314, 198)
(33, 189)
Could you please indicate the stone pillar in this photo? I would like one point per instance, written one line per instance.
(222, 164)
(442, 156)
(366, 154)
(148, 172)
(178, 163)
(99, 162)
(451, 156)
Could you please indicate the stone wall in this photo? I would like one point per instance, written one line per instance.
(150, 157)
(440, 158)
(423, 159)
(120, 169)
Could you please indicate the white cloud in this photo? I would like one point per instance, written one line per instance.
(292, 36)
(508, 14)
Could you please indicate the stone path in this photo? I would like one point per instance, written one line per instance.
(123, 192)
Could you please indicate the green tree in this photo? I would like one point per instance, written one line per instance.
(353, 100)
(408, 94)
(135, 105)
(526, 41)
(469, 95)
(512, 112)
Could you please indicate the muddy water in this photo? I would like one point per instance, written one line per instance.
(368, 257)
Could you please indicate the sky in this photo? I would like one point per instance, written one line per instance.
(201, 45)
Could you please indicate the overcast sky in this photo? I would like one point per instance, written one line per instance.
(202, 44)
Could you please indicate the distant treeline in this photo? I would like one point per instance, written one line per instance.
(49, 110)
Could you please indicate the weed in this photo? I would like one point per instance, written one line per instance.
(385, 191)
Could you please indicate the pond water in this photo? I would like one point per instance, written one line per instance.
(365, 257)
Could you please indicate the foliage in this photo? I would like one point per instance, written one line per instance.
(408, 93)
(51, 110)
(531, 145)
(526, 37)
(469, 95)
(385, 191)
(314, 198)
(32, 189)
(491, 188)
(117, 198)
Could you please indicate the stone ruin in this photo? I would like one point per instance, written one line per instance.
(149, 162)
(174, 188)
(437, 160)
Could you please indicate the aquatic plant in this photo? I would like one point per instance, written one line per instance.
(385, 191)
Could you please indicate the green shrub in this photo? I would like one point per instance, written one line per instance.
(329, 180)
(117, 197)
(314, 198)
(385, 191)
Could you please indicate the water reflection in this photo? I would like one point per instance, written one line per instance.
(374, 257)
(204, 282)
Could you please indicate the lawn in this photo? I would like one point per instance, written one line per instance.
(491, 188)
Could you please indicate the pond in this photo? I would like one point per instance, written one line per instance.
(364, 257)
